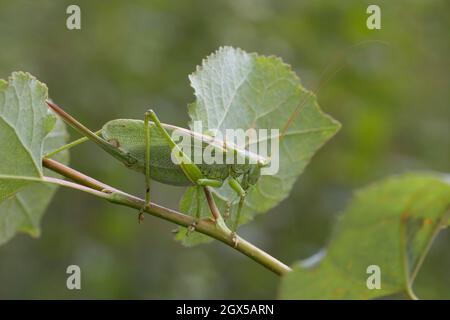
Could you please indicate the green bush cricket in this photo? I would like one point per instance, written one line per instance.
(148, 147)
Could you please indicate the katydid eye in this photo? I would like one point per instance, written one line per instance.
(114, 142)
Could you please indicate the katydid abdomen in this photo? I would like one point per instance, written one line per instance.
(128, 137)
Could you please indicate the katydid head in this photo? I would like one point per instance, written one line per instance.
(263, 162)
(254, 173)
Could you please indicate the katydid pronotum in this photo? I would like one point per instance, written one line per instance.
(147, 147)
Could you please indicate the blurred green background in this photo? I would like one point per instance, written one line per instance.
(392, 98)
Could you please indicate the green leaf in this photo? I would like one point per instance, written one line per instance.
(239, 90)
(390, 224)
(25, 125)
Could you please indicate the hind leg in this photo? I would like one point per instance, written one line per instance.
(241, 192)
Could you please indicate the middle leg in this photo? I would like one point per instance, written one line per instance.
(147, 165)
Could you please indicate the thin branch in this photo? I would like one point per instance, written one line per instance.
(75, 175)
(205, 226)
(73, 185)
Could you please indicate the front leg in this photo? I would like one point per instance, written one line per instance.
(147, 165)
(190, 169)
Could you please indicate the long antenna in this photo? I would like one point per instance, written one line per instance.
(105, 145)
(323, 79)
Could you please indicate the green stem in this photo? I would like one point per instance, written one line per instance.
(437, 229)
(410, 293)
(205, 226)
(408, 281)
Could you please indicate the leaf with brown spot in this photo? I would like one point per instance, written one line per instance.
(416, 207)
